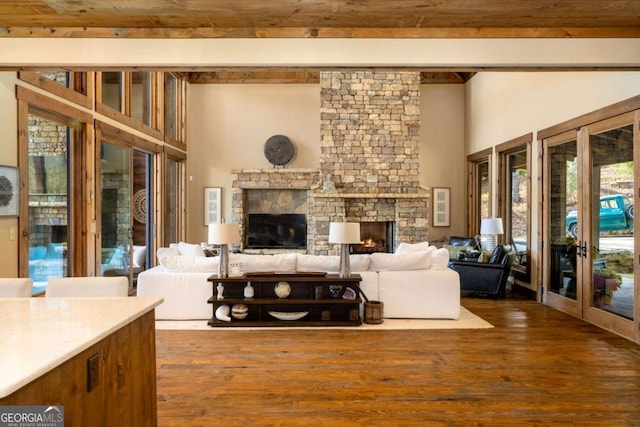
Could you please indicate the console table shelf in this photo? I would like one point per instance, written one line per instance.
(327, 300)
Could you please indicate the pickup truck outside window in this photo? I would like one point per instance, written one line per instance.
(616, 214)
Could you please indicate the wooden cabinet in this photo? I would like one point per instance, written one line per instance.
(124, 390)
(300, 299)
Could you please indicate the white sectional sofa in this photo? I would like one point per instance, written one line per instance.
(412, 283)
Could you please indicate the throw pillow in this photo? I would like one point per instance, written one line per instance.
(331, 263)
(139, 256)
(190, 249)
(412, 247)
(253, 263)
(454, 250)
(189, 264)
(395, 262)
(167, 252)
(439, 259)
(327, 263)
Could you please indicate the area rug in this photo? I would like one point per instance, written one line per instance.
(467, 320)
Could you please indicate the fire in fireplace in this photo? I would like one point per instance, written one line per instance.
(376, 237)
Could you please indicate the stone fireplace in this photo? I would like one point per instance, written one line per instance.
(369, 162)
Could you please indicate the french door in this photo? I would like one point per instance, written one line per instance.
(590, 191)
(125, 225)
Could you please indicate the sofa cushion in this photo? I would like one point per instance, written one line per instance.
(412, 247)
(395, 262)
(253, 263)
(189, 264)
(331, 263)
(190, 249)
(139, 256)
(439, 259)
(167, 252)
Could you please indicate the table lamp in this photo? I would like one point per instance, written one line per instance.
(490, 228)
(344, 233)
(223, 234)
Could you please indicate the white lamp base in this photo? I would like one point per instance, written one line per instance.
(491, 241)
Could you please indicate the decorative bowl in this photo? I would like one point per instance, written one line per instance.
(281, 315)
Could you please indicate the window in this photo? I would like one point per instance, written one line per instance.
(514, 201)
(112, 89)
(77, 87)
(479, 189)
(173, 206)
(51, 137)
(130, 98)
(174, 105)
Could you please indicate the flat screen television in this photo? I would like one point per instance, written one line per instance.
(277, 231)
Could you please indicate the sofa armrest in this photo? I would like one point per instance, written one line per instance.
(481, 278)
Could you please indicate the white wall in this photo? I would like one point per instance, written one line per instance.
(228, 125)
(442, 155)
(504, 105)
(8, 157)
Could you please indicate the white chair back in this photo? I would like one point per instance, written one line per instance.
(16, 287)
(115, 286)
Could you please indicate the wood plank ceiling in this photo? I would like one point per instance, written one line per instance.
(319, 18)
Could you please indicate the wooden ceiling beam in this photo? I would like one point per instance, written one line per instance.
(270, 77)
(319, 32)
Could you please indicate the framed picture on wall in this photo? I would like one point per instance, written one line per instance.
(212, 207)
(440, 204)
(9, 191)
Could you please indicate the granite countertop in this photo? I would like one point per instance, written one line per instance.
(39, 334)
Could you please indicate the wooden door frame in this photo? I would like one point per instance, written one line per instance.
(473, 201)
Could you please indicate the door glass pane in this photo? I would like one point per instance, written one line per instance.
(612, 221)
(61, 77)
(171, 204)
(49, 144)
(483, 191)
(171, 106)
(142, 221)
(112, 89)
(141, 97)
(563, 194)
(115, 187)
(518, 206)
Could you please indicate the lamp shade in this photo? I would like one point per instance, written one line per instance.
(491, 226)
(344, 232)
(224, 234)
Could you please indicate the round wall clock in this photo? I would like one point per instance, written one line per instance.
(279, 150)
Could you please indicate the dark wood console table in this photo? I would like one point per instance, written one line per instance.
(318, 299)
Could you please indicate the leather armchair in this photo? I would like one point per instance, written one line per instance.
(486, 278)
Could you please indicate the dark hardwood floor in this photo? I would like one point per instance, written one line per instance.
(538, 366)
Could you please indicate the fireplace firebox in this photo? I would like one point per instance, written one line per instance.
(376, 237)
